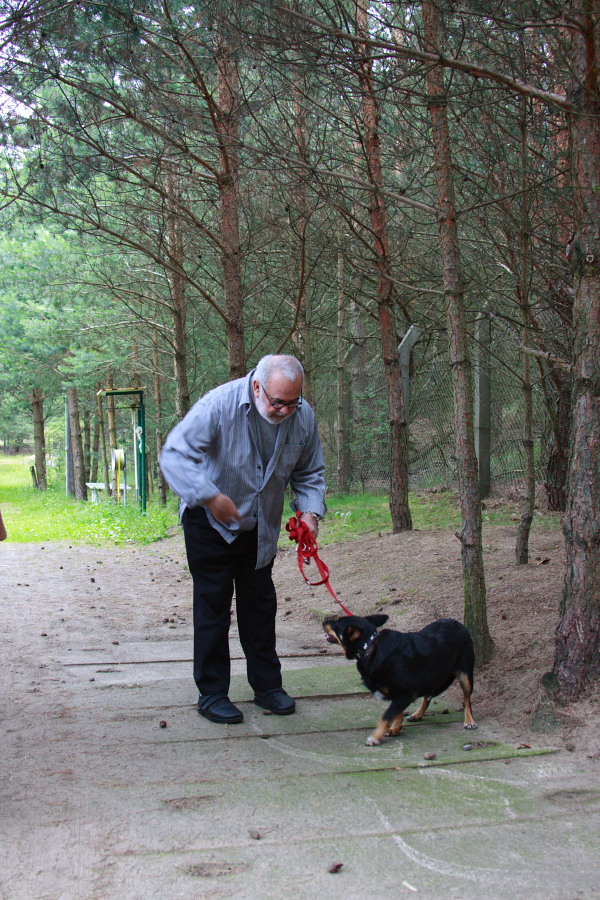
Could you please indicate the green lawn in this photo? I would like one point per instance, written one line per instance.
(32, 515)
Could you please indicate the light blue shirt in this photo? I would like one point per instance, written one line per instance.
(216, 449)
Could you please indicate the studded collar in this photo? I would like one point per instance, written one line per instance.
(367, 647)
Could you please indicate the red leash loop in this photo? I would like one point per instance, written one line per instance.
(309, 549)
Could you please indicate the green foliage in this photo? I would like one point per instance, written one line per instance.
(32, 515)
(354, 516)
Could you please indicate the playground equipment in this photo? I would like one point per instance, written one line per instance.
(119, 466)
(118, 456)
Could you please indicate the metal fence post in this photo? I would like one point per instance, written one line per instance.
(483, 403)
(404, 350)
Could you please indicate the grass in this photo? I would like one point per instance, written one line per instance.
(31, 515)
(50, 515)
(352, 516)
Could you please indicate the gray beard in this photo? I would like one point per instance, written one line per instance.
(261, 408)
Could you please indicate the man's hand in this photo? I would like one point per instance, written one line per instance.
(312, 523)
(224, 509)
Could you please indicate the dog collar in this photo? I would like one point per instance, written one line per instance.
(367, 645)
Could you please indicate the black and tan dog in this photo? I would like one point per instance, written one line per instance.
(401, 666)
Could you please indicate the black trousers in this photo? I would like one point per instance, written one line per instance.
(216, 568)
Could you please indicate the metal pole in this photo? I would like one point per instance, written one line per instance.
(483, 404)
(136, 457)
(404, 350)
(141, 444)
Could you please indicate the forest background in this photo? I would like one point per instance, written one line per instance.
(188, 186)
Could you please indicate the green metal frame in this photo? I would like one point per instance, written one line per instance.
(139, 444)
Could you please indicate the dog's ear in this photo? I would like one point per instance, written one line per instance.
(353, 633)
(377, 620)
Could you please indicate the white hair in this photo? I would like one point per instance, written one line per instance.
(288, 366)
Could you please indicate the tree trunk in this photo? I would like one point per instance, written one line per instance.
(103, 446)
(343, 392)
(76, 444)
(178, 294)
(401, 518)
(159, 436)
(87, 445)
(39, 439)
(228, 124)
(523, 531)
(95, 451)
(470, 535)
(182, 393)
(112, 415)
(557, 466)
(358, 360)
(577, 659)
(522, 543)
(298, 224)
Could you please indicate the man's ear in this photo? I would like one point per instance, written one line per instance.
(377, 620)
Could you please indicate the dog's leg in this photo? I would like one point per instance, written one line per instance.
(395, 726)
(467, 689)
(379, 734)
(420, 712)
(389, 724)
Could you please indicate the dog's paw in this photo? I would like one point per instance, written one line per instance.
(372, 741)
(414, 718)
(470, 726)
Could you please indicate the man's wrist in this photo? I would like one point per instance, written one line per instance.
(308, 512)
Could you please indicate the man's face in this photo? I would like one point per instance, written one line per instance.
(278, 399)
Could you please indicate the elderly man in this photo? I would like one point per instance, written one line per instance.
(230, 460)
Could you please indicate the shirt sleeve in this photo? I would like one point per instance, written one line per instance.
(308, 478)
(183, 459)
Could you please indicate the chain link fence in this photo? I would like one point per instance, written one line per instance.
(432, 453)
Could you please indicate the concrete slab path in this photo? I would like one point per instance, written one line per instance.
(113, 788)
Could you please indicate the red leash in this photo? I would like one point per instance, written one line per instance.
(309, 549)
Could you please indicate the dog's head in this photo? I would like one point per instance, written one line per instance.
(351, 632)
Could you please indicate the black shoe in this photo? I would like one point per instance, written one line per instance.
(219, 708)
(276, 701)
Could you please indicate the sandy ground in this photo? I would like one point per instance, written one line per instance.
(111, 786)
(71, 597)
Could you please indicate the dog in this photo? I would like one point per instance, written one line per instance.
(404, 666)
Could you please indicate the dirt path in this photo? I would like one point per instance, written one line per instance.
(59, 599)
(108, 775)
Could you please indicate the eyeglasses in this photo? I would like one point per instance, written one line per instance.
(281, 404)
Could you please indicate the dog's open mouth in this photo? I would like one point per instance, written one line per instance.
(330, 633)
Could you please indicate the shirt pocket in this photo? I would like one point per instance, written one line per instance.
(290, 454)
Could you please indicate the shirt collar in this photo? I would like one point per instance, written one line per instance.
(247, 396)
